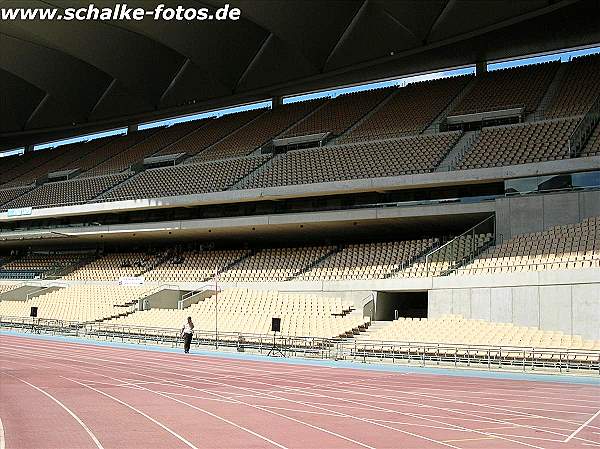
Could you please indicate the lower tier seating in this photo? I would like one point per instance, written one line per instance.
(561, 247)
(368, 260)
(454, 329)
(80, 303)
(449, 256)
(194, 266)
(43, 261)
(7, 287)
(113, 266)
(273, 265)
(250, 312)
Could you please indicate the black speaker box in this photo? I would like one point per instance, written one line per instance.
(276, 324)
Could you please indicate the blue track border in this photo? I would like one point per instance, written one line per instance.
(455, 372)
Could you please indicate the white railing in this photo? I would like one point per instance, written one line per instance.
(523, 358)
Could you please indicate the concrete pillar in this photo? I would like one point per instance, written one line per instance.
(132, 129)
(481, 67)
(277, 102)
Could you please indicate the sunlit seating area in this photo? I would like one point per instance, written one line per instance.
(368, 260)
(194, 265)
(456, 330)
(250, 312)
(113, 266)
(449, 256)
(79, 303)
(275, 264)
(561, 247)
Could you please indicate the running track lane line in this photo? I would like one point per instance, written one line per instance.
(591, 418)
(112, 360)
(258, 407)
(2, 441)
(193, 406)
(221, 396)
(175, 434)
(73, 415)
(414, 416)
(313, 406)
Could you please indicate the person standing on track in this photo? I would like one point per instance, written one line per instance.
(186, 333)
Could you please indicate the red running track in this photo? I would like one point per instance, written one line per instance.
(55, 394)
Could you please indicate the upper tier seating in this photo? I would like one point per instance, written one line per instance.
(561, 247)
(592, 148)
(454, 329)
(407, 155)
(250, 312)
(160, 138)
(57, 159)
(520, 144)
(410, 110)
(75, 191)
(114, 266)
(508, 88)
(579, 88)
(9, 194)
(80, 303)
(110, 149)
(368, 260)
(186, 179)
(340, 113)
(262, 130)
(275, 264)
(211, 132)
(194, 266)
(447, 257)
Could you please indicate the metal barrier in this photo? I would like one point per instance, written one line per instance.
(525, 359)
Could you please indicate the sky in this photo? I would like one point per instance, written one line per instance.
(563, 56)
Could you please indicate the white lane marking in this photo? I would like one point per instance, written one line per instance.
(64, 407)
(2, 440)
(175, 434)
(211, 393)
(580, 428)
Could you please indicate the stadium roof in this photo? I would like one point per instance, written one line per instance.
(59, 76)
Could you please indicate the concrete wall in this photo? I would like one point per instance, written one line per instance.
(164, 299)
(573, 309)
(525, 214)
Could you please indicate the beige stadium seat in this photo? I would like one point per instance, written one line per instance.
(113, 266)
(250, 312)
(339, 113)
(410, 110)
(515, 87)
(79, 303)
(363, 160)
(456, 330)
(573, 246)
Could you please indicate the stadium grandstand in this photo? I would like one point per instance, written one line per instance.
(400, 186)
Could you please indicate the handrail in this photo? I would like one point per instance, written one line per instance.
(356, 343)
(469, 231)
(583, 130)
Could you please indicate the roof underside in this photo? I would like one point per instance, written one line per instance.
(60, 77)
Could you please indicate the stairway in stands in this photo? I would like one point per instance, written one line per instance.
(458, 152)
(373, 327)
(548, 97)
